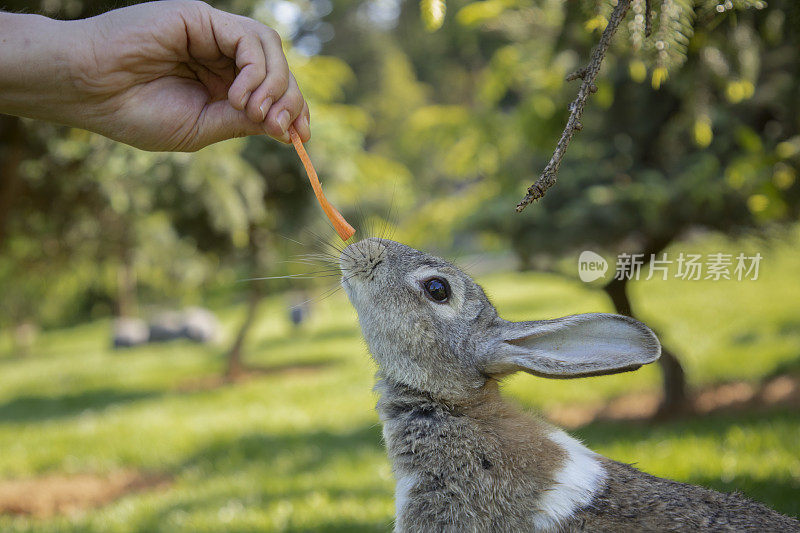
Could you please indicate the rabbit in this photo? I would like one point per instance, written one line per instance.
(467, 461)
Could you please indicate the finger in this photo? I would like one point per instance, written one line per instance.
(219, 122)
(284, 112)
(252, 67)
(238, 38)
(277, 81)
(303, 124)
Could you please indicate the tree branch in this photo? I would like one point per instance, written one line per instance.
(588, 74)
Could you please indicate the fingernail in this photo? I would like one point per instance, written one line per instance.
(283, 120)
(264, 107)
(303, 125)
(245, 98)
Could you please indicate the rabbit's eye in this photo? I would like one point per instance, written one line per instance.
(437, 288)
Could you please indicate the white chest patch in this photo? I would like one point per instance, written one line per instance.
(401, 492)
(576, 483)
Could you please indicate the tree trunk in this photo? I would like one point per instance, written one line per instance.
(126, 290)
(676, 399)
(235, 366)
(23, 335)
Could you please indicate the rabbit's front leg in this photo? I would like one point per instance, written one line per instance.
(428, 512)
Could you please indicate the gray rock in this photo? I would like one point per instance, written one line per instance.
(128, 332)
(166, 326)
(200, 325)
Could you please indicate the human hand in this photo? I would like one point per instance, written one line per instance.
(171, 75)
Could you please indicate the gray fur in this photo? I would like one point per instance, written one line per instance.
(635, 501)
(465, 460)
(468, 477)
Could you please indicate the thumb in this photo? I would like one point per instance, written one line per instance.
(220, 121)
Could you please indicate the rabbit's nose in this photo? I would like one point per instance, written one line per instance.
(363, 256)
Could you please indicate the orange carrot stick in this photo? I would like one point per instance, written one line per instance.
(341, 226)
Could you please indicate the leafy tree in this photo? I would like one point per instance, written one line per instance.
(716, 147)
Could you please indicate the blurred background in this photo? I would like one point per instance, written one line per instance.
(144, 386)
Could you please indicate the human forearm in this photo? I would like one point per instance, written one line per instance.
(168, 75)
(37, 61)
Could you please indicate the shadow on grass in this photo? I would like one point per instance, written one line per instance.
(160, 520)
(291, 467)
(346, 527)
(789, 328)
(608, 432)
(309, 451)
(302, 335)
(41, 408)
(300, 366)
(790, 367)
(254, 371)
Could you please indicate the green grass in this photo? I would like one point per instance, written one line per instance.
(301, 451)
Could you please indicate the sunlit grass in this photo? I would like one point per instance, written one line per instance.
(301, 451)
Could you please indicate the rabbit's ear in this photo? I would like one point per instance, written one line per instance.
(573, 346)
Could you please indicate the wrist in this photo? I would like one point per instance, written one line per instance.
(39, 58)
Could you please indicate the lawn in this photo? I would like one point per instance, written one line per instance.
(299, 449)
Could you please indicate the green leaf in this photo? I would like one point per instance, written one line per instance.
(432, 12)
(482, 11)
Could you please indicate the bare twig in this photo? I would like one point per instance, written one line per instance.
(648, 18)
(588, 74)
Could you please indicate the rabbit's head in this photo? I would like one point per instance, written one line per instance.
(431, 327)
